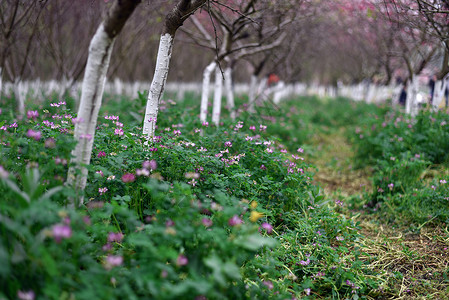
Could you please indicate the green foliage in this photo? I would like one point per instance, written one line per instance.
(199, 212)
(403, 150)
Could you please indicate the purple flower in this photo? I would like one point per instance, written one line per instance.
(34, 134)
(228, 144)
(149, 164)
(113, 261)
(235, 221)
(267, 227)
(169, 223)
(61, 231)
(305, 263)
(25, 295)
(128, 177)
(115, 237)
(307, 292)
(101, 154)
(262, 167)
(206, 222)
(32, 114)
(118, 131)
(268, 284)
(390, 186)
(182, 260)
(102, 190)
(142, 172)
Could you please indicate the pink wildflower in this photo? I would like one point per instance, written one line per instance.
(128, 177)
(34, 134)
(235, 221)
(267, 227)
(32, 114)
(113, 261)
(182, 260)
(206, 222)
(118, 131)
(115, 237)
(61, 231)
(25, 295)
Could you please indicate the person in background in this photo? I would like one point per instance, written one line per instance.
(403, 95)
(431, 84)
(272, 79)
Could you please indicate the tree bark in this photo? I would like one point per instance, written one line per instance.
(412, 90)
(440, 87)
(100, 50)
(182, 10)
(216, 112)
(158, 84)
(252, 93)
(229, 92)
(205, 91)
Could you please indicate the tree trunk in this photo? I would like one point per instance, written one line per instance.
(91, 95)
(229, 92)
(252, 94)
(440, 87)
(412, 91)
(20, 95)
(216, 112)
(182, 10)
(205, 91)
(158, 84)
(100, 50)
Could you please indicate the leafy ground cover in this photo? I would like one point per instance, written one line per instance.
(405, 234)
(205, 212)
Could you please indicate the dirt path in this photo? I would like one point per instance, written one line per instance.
(412, 262)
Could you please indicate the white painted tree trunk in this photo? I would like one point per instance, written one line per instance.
(262, 91)
(252, 94)
(216, 111)
(158, 84)
(438, 95)
(229, 92)
(20, 94)
(100, 50)
(412, 91)
(279, 91)
(205, 91)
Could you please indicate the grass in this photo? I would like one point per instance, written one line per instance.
(411, 261)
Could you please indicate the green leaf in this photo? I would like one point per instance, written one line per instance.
(215, 263)
(254, 242)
